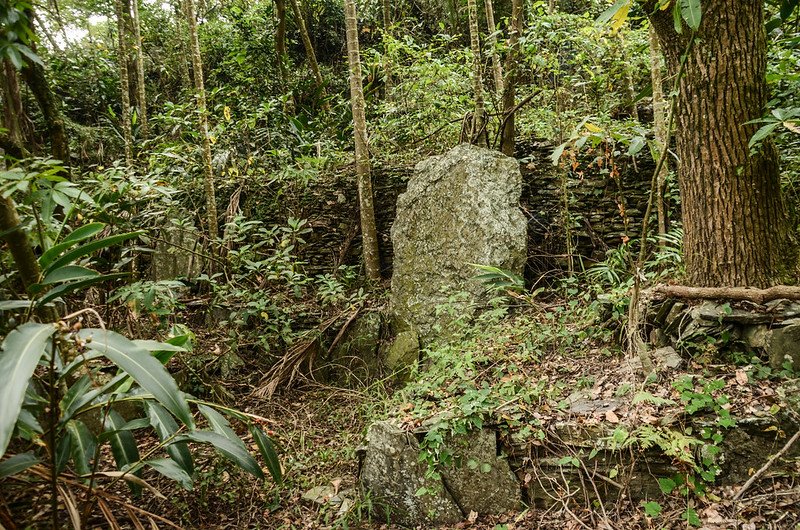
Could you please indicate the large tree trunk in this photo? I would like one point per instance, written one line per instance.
(735, 229)
(369, 237)
(508, 133)
(124, 80)
(36, 80)
(202, 123)
(478, 135)
(141, 92)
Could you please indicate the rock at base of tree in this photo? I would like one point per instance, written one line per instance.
(783, 346)
(392, 472)
(460, 209)
(403, 352)
(477, 480)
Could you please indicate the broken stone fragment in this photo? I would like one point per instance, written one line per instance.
(784, 346)
(475, 480)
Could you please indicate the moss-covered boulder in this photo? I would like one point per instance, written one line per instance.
(460, 209)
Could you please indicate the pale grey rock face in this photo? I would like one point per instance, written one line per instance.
(479, 480)
(176, 253)
(476, 480)
(392, 472)
(460, 208)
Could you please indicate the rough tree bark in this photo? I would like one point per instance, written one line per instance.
(202, 123)
(124, 80)
(659, 127)
(735, 229)
(141, 92)
(387, 68)
(18, 244)
(491, 42)
(310, 55)
(369, 237)
(12, 105)
(181, 31)
(508, 134)
(34, 76)
(478, 134)
(280, 40)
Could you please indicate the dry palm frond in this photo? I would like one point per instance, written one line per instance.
(285, 371)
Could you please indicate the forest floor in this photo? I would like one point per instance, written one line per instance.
(554, 365)
(526, 376)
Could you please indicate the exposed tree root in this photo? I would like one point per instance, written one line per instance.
(759, 296)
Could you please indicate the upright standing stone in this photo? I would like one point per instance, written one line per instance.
(460, 209)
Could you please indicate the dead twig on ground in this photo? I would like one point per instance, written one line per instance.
(766, 466)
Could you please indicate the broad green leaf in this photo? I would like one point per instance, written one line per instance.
(691, 13)
(88, 248)
(762, 133)
(68, 273)
(268, 452)
(666, 485)
(165, 426)
(143, 368)
(170, 469)
(652, 509)
(76, 236)
(612, 11)
(17, 464)
(22, 349)
(83, 446)
(233, 452)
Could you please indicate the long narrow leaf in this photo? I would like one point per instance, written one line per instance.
(220, 425)
(143, 368)
(88, 248)
(17, 464)
(83, 446)
(228, 449)
(268, 452)
(170, 469)
(76, 236)
(69, 273)
(22, 350)
(123, 445)
(165, 426)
